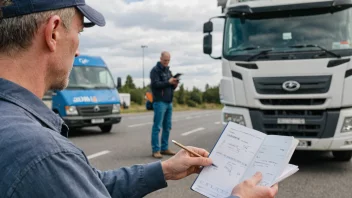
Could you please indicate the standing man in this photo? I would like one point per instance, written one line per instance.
(163, 86)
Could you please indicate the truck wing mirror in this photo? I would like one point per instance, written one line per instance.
(207, 44)
(208, 27)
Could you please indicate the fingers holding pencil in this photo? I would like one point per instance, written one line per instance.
(195, 152)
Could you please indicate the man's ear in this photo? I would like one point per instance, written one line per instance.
(51, 32)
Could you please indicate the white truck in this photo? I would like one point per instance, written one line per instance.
(287, 69)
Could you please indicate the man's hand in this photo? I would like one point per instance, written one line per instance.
(183, 164)
(249, 189)
(175, 85)
(173, 81)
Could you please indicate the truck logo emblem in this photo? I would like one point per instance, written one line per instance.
(96, 109)
(83, 60)
(291, 86)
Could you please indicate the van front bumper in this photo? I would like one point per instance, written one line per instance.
(86, 121)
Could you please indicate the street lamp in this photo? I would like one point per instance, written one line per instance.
(143, 46)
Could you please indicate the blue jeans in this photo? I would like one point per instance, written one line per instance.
(162, 119)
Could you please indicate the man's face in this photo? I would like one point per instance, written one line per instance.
(165, 60)
(67, 49)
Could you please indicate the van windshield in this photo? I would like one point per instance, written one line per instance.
(250, 34)
(90, 78)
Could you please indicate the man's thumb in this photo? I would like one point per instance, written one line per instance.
(257, 178)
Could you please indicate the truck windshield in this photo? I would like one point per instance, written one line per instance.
(90, 78)
(333, 31)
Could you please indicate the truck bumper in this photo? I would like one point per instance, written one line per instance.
(329, 138)
(80, 121)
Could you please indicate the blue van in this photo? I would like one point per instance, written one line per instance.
(91, 97)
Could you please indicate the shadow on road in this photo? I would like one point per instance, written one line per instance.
(87, 132)
(313, 161)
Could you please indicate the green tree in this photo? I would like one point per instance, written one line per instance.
(196, 95)
(207, 87)
(211, 95)
(129, 83)
(180, 95)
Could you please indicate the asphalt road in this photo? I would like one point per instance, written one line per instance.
(129, 143)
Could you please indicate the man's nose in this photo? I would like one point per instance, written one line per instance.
(77, 53)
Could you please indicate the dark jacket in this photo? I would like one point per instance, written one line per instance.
(161, 88)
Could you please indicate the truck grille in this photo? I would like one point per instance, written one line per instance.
(90, 110)
(308, 84)
(318, 123)
(292, 101)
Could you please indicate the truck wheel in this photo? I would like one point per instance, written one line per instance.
(343, 156)
(105, 128)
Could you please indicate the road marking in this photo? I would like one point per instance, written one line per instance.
(141, 124)
(98, 154)
(193, 131)
(217, 122)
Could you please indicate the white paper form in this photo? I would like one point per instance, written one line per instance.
(271, 159)
(288, 171)
(232, 154)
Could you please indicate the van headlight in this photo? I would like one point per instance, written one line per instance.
(71, 110)
(347, 125)
(116, 108)
(238, 119)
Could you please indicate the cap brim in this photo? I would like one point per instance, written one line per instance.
(95, 17)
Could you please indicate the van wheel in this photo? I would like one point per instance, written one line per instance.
(343, 156)
(105, 128)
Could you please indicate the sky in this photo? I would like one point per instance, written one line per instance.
(162, 25)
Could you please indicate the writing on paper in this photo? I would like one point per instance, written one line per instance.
(233, 154)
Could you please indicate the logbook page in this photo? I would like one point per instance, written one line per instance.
(232, 155)
(271, 159)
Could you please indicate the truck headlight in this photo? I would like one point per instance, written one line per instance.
(71, 110)
(238, 119)
(116, 108)
(347, 125)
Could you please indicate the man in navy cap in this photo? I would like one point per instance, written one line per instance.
(38, 43)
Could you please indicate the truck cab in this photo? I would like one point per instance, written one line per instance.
(91, 97)
(287, 69)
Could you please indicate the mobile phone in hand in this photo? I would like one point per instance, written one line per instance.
(177, 76)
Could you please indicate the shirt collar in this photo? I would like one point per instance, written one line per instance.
(25, 99)
(162, 67)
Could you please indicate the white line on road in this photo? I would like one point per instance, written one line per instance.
(193, 131)
(141, 124)
(98, 154)
(217, 122)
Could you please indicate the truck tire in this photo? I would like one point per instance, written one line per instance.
(343, 156)
(105, 128)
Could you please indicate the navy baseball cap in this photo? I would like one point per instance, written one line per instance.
(22, 7)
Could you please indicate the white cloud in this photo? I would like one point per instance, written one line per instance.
(172, 25)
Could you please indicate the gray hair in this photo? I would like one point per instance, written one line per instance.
(17, 33)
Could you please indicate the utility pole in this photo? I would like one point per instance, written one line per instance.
(143, 46)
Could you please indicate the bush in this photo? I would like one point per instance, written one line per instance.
(191, 103)
(196, 97)
(137, 96)
(211, 95)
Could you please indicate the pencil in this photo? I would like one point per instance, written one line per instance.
(192, 152)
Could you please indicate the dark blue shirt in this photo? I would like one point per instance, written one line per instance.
(37, 159)
(162, 90)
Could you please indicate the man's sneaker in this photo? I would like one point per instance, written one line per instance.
(157, 155)
(168, 152)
